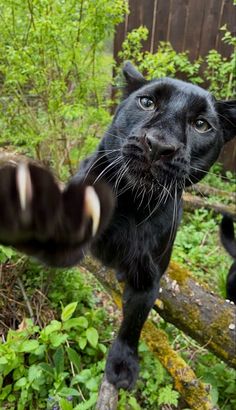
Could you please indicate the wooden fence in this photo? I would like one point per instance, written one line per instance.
(192, 25)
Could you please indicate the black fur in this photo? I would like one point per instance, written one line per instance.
(229, 242)
(147, 156)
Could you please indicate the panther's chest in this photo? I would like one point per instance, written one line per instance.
(127, 240)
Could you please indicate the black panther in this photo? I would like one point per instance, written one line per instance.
(229, 242)
(165, 135)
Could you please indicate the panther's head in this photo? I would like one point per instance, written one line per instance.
(168, 131)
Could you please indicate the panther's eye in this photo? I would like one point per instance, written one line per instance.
(201, 126)
(146, 103)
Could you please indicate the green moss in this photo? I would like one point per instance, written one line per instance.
(194, 392)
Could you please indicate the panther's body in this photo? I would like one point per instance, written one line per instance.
(165, 135)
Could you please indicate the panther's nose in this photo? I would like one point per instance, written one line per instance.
(159, 149)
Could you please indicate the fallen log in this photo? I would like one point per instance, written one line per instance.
(108, 396)
(193, 391)
(206, 190)
(190, 306)
(193, 202)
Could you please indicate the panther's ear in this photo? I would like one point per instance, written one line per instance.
(227, 116)
(134, 79)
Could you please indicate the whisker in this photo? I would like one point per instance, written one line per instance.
(210, 173)
(109, 166)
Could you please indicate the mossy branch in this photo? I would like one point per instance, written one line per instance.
(190, 306)
(192, 202)
(193, 391)
(206, 190)
(108, 396)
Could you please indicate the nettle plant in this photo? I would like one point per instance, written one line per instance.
(166, 62)
(54, 75)
(48, 368)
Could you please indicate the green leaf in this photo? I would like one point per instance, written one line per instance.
(68, 391)
(8, 252)
(82, 342)
(74, 358)
(102, 348)
(212, 380)
(92, 384)
(28, 346)
(65, 404)
(88, 404)
(58, 359)
(22, 382)
(34, 373)
(3, 360)
(57, 339)
(92, 336)
(168, 396)
(5, 391)
(82, 377)
(134, 404)
(68, 311)
(11, 398)
(76, 322)
(47, 369)
(54, 326)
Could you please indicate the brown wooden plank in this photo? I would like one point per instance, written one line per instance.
(210, 26)
(177, 24)
(193, 28)
(154, 21)
(228, 17)
(147, 18)
(136, 14)
(118, 40)
(163, 12)
(228, 156)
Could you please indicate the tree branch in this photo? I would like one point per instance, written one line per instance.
(108, 396)
(193, 391)
(190, 306)
(192, 202)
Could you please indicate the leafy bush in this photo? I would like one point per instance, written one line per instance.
(54, 75)
(219, 71)
(47, 368)
(54, 72)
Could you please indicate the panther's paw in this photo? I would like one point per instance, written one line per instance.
(35, 207)
(122, 366)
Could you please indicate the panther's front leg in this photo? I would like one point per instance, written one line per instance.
(122, 363)
(42, 219)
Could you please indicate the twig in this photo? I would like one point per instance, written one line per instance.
(26, 299)
(108, 396)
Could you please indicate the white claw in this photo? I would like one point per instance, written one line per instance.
(92, 208)
(24, 185)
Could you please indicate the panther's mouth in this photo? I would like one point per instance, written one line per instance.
(141, 169)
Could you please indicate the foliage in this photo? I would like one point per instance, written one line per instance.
(54, 74)
(153, 388)
(221, 379)
(45, 368)
(215, 178)
(54, 103)
(197, 244)
(219, 71)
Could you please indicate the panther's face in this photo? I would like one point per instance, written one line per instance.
(168, 132)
